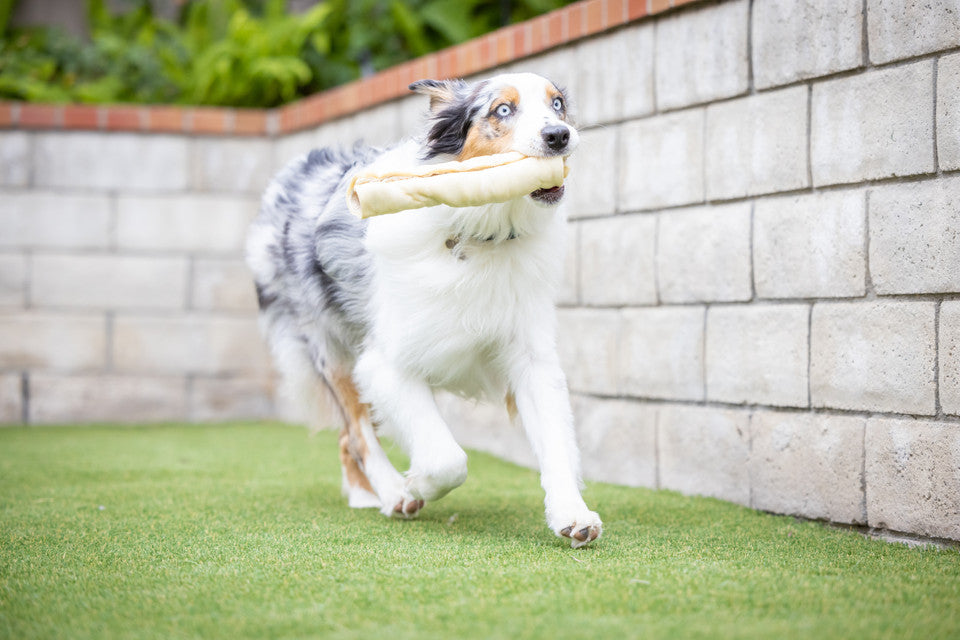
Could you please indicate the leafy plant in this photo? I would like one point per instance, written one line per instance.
(245, 53)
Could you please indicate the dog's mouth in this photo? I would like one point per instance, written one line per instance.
(553, 195)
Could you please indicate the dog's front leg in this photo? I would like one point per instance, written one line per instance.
(407, 409)
(542, 403)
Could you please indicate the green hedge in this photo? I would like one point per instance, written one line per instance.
(241, 53)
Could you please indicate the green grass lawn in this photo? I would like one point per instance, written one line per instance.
(240, 532)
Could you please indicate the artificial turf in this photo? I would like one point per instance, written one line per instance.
(239, 531)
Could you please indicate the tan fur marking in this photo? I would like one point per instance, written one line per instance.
(481, 143)
(553, 92)
(351, 468)
(491, 135)
(509, 94)
(353, 446)
(512, 406)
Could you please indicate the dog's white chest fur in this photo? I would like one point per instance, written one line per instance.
(451, 308)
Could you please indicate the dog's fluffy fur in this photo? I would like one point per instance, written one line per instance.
(384, 312)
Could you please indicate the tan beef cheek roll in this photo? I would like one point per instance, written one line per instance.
(477, 181)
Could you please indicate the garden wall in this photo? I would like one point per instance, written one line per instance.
(124, 294)
(761, 298)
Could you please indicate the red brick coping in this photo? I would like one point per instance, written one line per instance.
(508, 44)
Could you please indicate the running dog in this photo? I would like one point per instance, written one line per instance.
(383, 312)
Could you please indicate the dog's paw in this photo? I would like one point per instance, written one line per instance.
(400, 503)
(407, 507)
(582, 530)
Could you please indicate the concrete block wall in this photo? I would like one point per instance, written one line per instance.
(764, 297)
(123, 296)
(761, 301)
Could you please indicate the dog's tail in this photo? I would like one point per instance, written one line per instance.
(304, 396)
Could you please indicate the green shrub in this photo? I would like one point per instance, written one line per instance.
(233, 52)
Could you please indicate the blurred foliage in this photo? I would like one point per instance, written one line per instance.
(242, 53)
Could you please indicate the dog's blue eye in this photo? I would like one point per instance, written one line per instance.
(504, 110)
(557, 104)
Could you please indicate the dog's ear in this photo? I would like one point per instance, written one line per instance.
(442, 92)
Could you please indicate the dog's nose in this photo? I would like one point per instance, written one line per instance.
(556, 137)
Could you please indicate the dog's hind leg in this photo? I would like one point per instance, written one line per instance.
(316, 390)
(356, 486)
(370, 479)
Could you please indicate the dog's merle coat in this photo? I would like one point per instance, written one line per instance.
(382, 313)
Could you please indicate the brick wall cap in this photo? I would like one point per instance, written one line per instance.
(514, 42)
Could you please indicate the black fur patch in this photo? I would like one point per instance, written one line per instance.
(337, 243)
(321, 157)
(449, 131)
(264, 299)
(327, 284)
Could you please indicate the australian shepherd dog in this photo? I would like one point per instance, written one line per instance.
(381, 313)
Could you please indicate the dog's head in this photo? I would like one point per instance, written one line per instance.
(520, 112)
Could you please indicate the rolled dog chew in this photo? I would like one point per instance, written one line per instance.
(477, 181)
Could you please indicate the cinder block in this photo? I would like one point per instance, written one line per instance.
(377, 126)
(701, 55)
(108, 398)
(287, 148)
(948, 112)
(617, 260)
(808, 465)
(915, 237)
(234, 165)
(122, 161)
(222, 285)
(588, 342)
(873, 356)
(661, 161)
(805, 39)
(486, 427)
(592, 184)
(637, 72)
(912, 476)
(11, 399)
(617, 441)
(14, 158)
(189, 344)
(200, 223)
(611, 92)
(38, 220)
(600, 99)
(703, 254)
(412, 114)
(88, 281)
(13, 280)
(58, 342)
(705, 451)
(758, 354)
(810, 246)
(661, 355)
(218, 400)
(898, 29)
(757, 144)
(342, 133)
(950, 357)
(569, 293)
(874, 125)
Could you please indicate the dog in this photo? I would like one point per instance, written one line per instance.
(381, 313)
